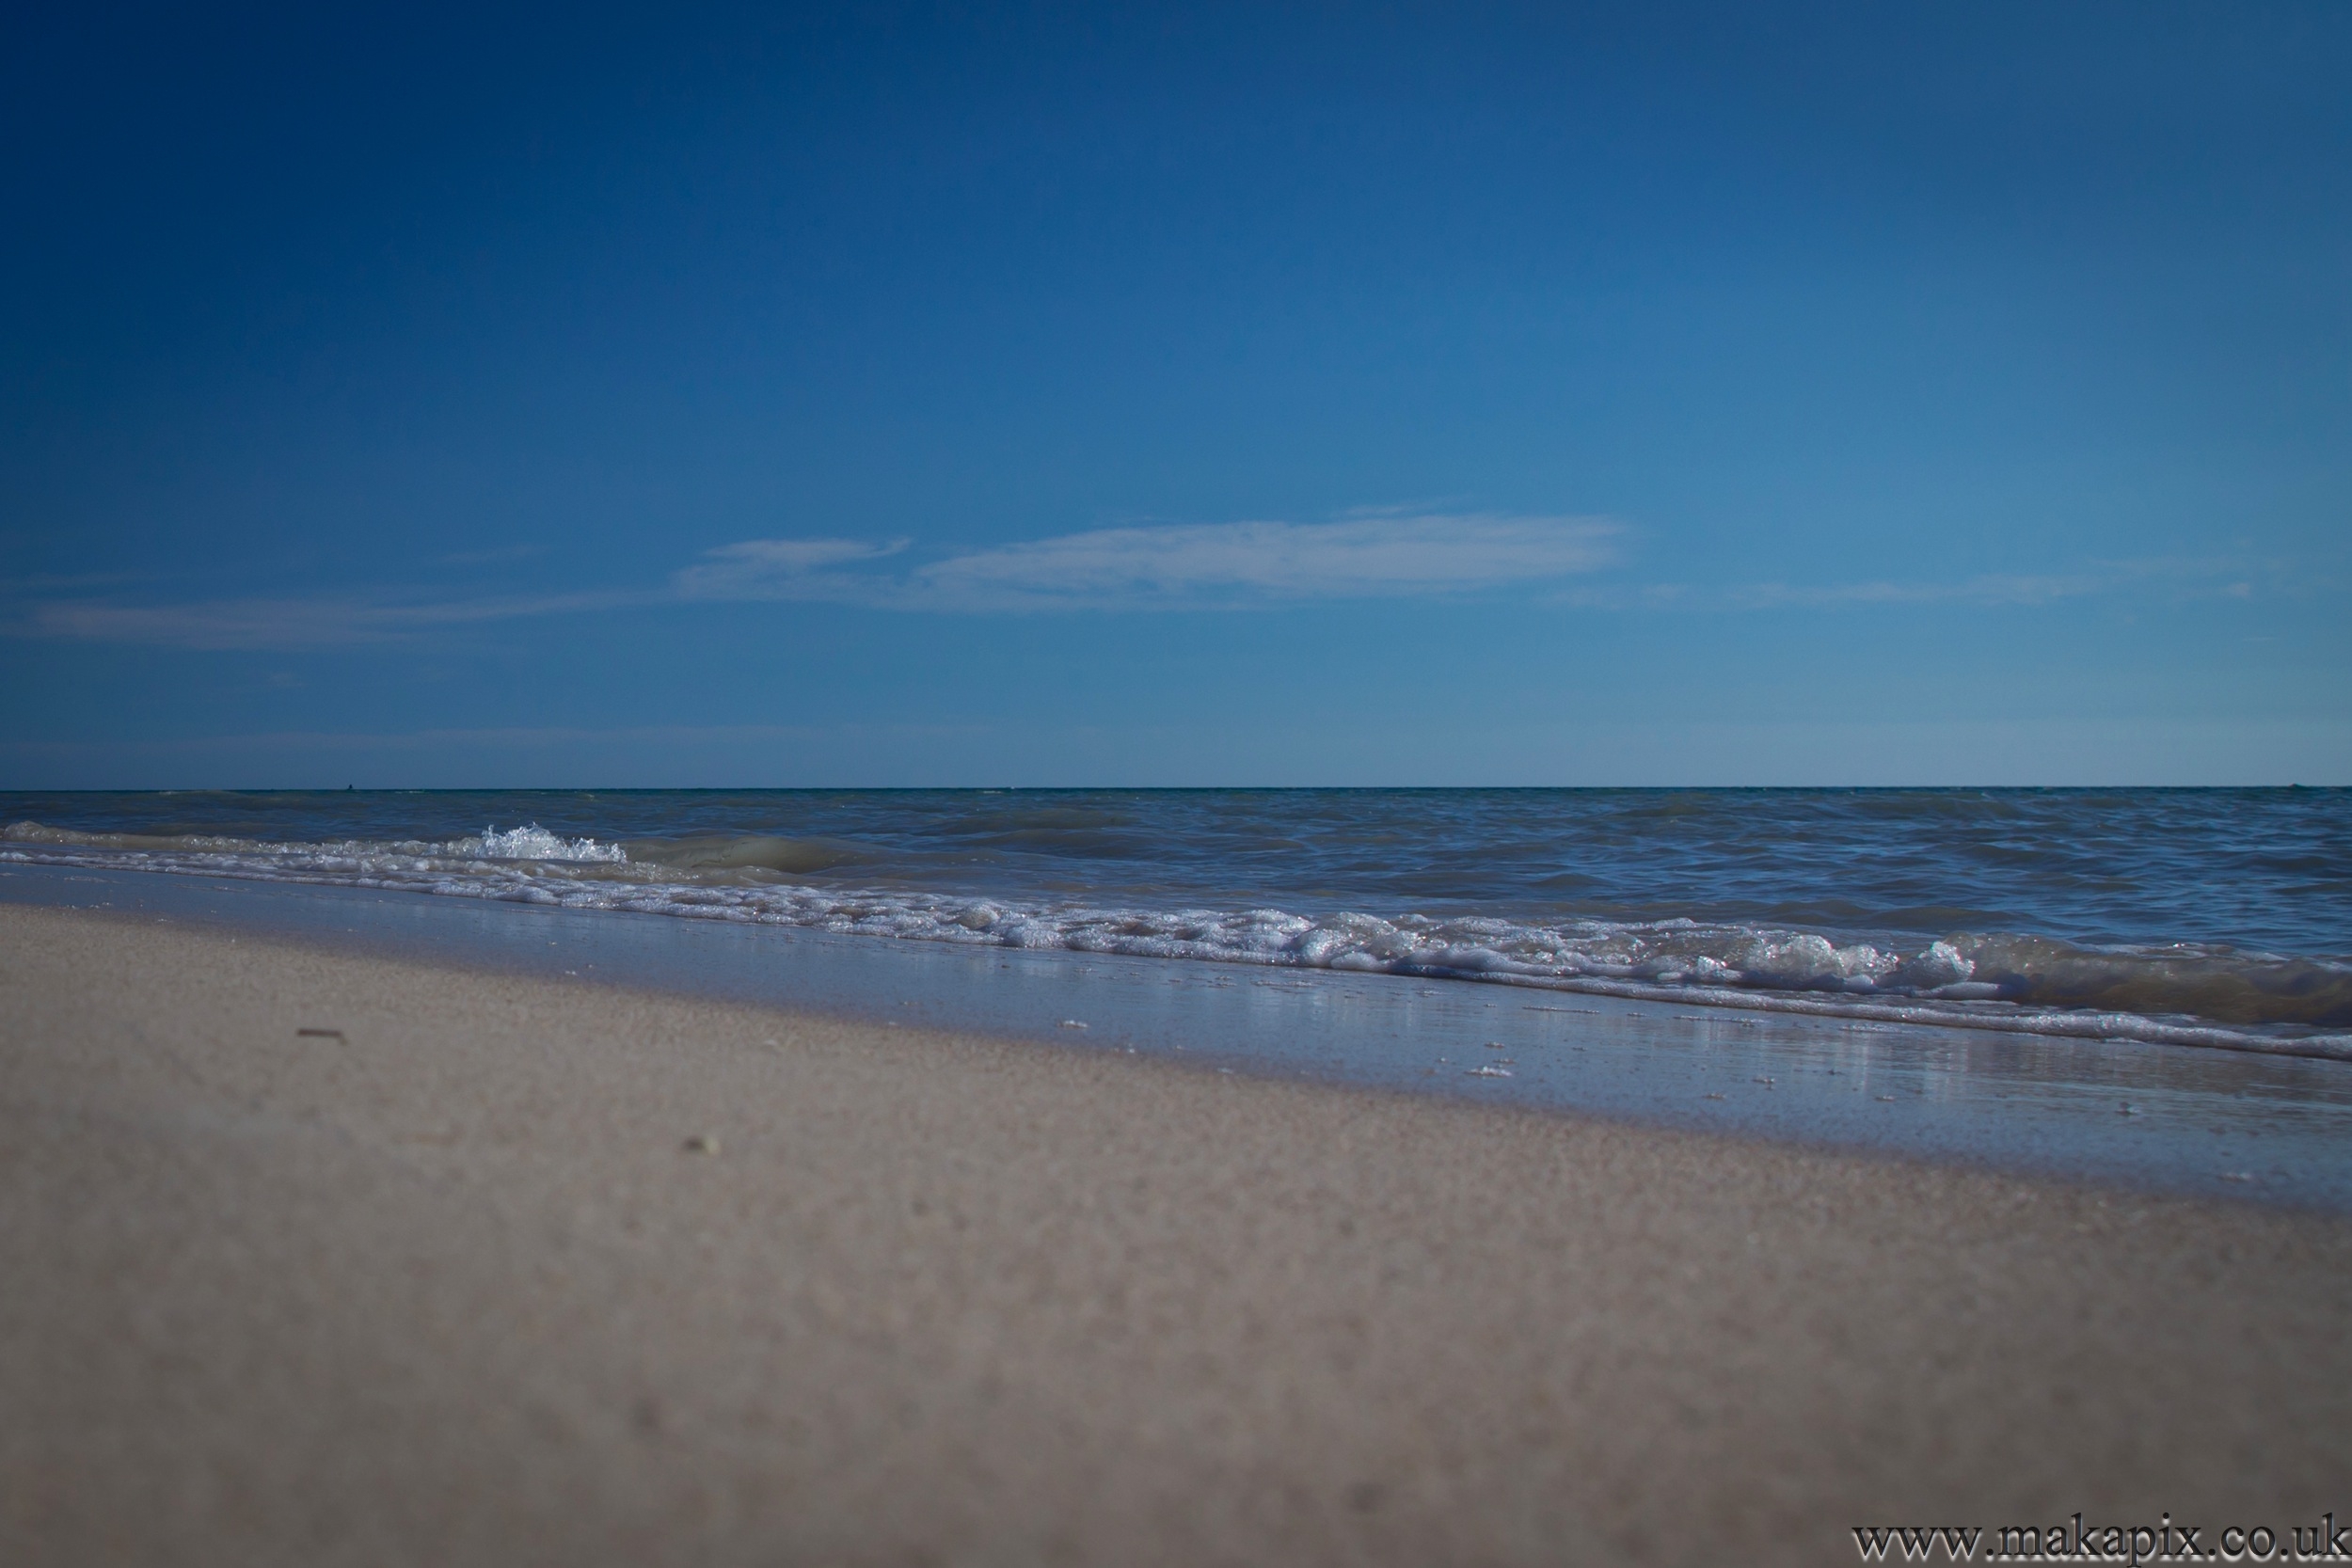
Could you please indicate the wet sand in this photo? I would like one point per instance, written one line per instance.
(533, 1271)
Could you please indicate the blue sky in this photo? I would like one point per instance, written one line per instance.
(1868, 394)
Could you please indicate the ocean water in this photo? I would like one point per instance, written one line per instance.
(2194, 917)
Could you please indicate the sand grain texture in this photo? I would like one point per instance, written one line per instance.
(454, 1289)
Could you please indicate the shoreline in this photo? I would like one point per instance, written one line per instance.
(2189, 1119)
(450, 1284)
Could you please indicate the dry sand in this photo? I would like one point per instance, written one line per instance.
(452, 1288)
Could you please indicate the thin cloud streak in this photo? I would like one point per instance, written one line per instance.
(2171, 578)
(1188, 566)
(1978, 590)
(778, 568)
(257, 623)
(1170, 566)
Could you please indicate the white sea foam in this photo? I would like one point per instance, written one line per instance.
(533, 842)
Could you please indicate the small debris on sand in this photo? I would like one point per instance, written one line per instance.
(319, 1034)
(703, 1142)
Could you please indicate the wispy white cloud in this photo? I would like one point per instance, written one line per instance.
(1168, 566)
(1987, 590)
(2169, 578)
(1189, 565)
(1624, 595)
(780, 569)
(2173, 578)
(287, 622)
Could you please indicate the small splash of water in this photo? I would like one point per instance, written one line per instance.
(531, 841)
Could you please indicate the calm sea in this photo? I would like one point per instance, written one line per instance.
(2195, 915)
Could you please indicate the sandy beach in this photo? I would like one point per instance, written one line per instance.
(320, 1259)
